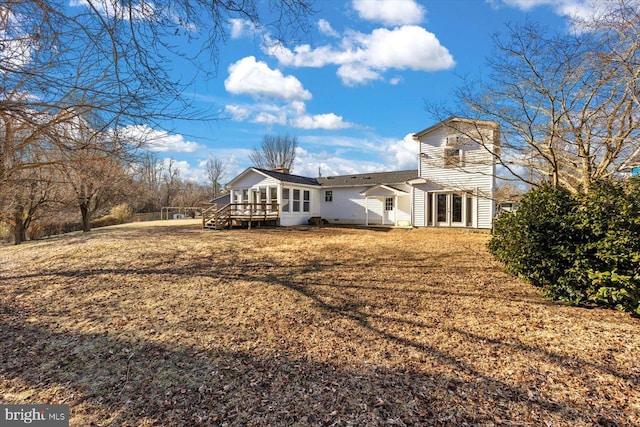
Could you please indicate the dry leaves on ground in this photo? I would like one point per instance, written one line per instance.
(172, 325)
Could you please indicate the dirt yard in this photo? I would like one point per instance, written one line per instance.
(167, 325)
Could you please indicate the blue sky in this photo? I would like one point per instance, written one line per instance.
(353, 90)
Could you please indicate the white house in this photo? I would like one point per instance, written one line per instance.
(452, 187)
(457, 168)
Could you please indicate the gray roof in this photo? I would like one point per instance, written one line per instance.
(376, 178)
(286, 177)
(221, 200)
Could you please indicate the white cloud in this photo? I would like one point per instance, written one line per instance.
(363, 57)
(186, 171)
(320, 121)
(402, 154)
(139, 11)
(325, 28)
(237, 112)
(268, 118)
(355, 74)
(343, 155)
(159, 140)
(398, 12)
(307, 164)
(580, 9)
(242, 28)
(255, 78)
(16, 44)
(293, 114)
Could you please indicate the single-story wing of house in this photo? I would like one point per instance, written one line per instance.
(382, 198)
(452, 187)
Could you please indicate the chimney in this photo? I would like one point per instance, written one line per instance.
(281, 169)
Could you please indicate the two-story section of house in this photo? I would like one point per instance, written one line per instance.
(456, 170)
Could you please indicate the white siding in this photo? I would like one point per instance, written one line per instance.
(301, 217)
(254, 180)
(347, 206)
(404, 210)
(419, 219)
(474, 175)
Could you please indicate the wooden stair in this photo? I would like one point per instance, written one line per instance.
(218, 217)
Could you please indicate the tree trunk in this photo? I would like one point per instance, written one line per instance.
(25, 227)
(18, 232)
(86, 218)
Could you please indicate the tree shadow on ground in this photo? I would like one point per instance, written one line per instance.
(118, 378)
(111, 381)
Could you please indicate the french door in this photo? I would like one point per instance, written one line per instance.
(451, 209)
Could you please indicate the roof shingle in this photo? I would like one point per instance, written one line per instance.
(376, 178)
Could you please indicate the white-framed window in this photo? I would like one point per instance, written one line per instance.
(328, 196)
(452, 157)
(388, 204)
(273, 196)
(306, 201)
(285, 200)
(296, 201)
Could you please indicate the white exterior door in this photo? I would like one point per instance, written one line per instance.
(389, 210)
(449, 209)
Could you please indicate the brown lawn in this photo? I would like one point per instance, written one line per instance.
(172, 325)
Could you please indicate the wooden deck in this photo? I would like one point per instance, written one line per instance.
(218, 217)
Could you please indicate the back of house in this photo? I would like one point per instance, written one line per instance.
(452, 187)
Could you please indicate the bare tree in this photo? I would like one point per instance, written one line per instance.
(115, 56)
(275, 152)
(567, 104)
(215, 170)
(171, 183)
(32, 192)
(61, 60)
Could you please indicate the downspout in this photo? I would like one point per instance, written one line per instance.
(477, 207)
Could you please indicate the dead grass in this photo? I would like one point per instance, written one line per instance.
(156, 325)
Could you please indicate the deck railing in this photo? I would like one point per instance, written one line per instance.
(221, 216)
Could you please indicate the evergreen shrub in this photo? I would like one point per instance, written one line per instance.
(584, 248)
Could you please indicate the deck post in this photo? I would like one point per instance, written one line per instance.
(366, 210)
(395, 210)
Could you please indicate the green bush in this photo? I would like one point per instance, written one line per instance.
(584, 249)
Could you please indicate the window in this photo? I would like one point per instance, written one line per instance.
(441, 207)
(328, 196)
(273, 195)
(457, 208)
(388, 204)
(452, 157)
(285, 200)
(306, 202)
(296, 200)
